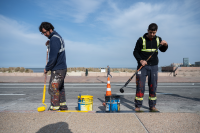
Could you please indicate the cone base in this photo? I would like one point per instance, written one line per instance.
(108, 93)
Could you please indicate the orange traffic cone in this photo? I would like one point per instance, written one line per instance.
(108, 92)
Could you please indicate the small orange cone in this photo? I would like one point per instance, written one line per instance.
(108, 92)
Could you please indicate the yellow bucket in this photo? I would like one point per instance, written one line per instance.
(85, 103)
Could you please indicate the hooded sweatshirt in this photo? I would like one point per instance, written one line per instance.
(57, 59)
(150, 44)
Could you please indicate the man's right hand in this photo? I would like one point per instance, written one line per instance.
(143, 62)
(47, 43)
(45, 71)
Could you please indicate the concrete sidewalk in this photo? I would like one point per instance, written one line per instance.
(54, 122)
(58, 122)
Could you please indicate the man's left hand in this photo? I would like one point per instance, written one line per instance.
(164, 43)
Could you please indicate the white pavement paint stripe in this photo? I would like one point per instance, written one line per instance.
(102, 87)
(115, 94)
(22, 84)
(11, 94)
(103, 84)
(48, 84)
(144, 93)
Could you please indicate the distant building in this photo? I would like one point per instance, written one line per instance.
(185, 62)
(176, 64)
(197, 63)
(103, 70)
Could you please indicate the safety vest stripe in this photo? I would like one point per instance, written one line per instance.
(62, 104)
(144, 45)
(148, 50)
(152, 98)
(157, 39)
(55, 107)
(62, 45)
(139, 98)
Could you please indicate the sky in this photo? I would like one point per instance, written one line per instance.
(97, 33)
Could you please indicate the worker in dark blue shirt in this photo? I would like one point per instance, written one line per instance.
(57, 65)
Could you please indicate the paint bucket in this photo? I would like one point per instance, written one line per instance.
(112, 103)
(85, 103)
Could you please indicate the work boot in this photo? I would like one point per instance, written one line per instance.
(153, 109)
(64, 107)
(137, 109)
(51, 108)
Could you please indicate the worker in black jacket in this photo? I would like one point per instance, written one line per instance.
(145, 45)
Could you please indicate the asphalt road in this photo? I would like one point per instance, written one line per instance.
(171, 97)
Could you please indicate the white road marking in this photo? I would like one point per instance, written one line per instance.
(11, 94)
(101, 87)
(144, 93)
(48, 84)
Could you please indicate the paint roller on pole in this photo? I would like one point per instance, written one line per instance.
(43, 108)
(122, 90)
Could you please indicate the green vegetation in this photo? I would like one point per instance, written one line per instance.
(15, 69)
(74, 69)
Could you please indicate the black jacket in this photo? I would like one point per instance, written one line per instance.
(150, 44)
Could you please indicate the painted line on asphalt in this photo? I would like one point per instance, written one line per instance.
(101, 87)
(124, 94)
(169, 86)
(188, 84)
(11, 94)
(48, 84)
(192, 84)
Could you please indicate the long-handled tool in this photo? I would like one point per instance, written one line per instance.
(43, 108)
(122, 90)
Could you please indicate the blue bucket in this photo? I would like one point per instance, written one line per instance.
(112, 103)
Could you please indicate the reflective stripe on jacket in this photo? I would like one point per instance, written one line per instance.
(149, 50)
(62, 43)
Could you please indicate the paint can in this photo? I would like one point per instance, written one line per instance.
(85, 102)
(112, 103)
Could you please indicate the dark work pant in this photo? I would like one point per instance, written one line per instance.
(109, 74)
(152, 73)
(56, 87)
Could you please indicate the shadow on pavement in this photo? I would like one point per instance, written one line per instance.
(102, 108)
(101, 80)
(125, 101)
(55, 128)
(176, 95)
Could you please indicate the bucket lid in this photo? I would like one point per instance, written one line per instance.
(85, 96)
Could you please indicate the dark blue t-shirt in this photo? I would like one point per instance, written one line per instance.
(57, 58)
